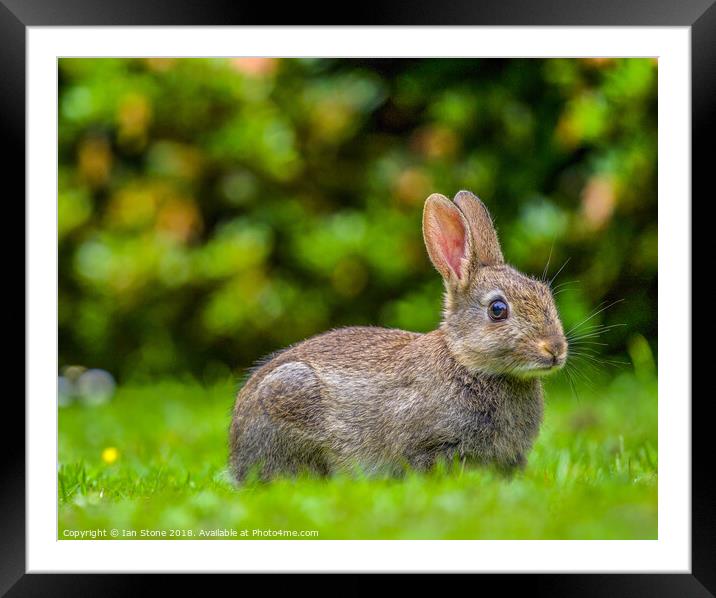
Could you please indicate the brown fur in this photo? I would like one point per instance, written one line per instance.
(380, 400)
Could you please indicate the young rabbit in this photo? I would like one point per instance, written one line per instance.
(382, 399)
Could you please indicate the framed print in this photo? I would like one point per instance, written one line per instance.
(410, 295)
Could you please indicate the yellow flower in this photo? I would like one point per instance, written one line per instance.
(110, 455)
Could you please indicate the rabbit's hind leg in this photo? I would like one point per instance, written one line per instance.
(284, 435)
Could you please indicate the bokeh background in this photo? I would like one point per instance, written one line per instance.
(214, 210)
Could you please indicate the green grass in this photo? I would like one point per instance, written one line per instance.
(591, 475)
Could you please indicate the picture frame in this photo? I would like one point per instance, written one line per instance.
(699, 16)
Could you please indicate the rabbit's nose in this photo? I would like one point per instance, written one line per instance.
(555, 347)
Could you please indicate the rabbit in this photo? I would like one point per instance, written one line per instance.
(384, 400)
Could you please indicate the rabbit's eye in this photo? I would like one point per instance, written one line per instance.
(498, 310)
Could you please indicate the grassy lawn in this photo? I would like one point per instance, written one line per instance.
(155, 458)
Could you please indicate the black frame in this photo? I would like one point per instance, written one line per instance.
(699, 15)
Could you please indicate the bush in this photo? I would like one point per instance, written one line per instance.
(213, 210)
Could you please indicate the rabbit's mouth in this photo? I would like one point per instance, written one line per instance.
(539, 369)
(548, 369)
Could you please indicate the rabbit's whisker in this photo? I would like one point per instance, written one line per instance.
(589, 360)
(596, 359)
(591, 332)
(564, 286)
(558, 271)
(546, 266)
(587, 336)
(612, 304)
(566, 283)
(584, 356)
(593, 327)
(580, 348)
(583, 376)
(571, 383)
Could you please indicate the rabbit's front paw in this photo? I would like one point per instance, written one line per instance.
(512, 467)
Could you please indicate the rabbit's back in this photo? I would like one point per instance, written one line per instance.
(379, 399)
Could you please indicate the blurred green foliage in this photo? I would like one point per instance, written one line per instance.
(214, 210)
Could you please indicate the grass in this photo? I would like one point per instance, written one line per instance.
(591, 475)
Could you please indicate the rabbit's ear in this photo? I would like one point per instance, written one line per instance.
(486, 246)
(447, 237)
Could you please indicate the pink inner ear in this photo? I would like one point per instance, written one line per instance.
(451, 239)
